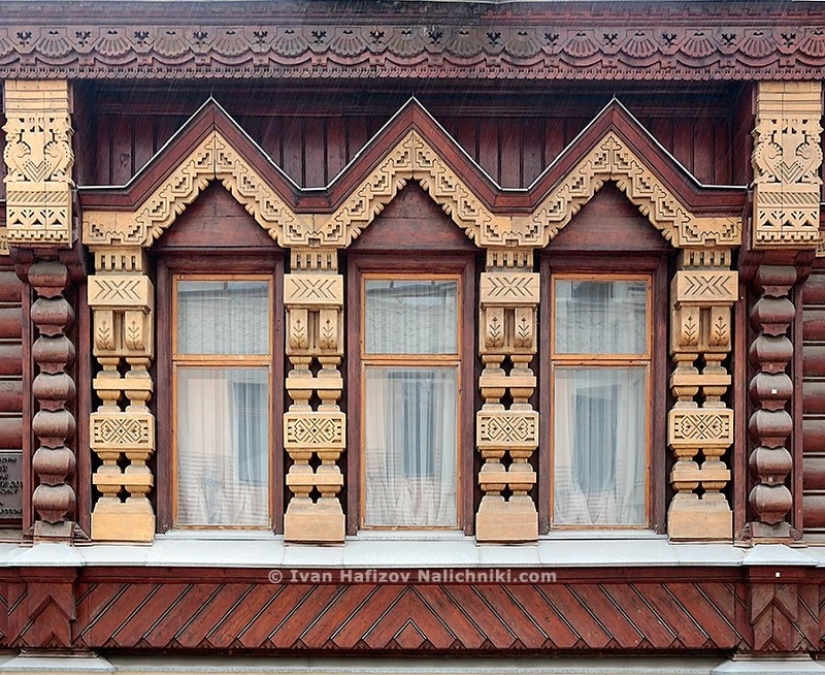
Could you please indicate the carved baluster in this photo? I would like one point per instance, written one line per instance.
(771, 389)
(122, 300)
(54, 425)
(508, 302)
(702, 295)
(314, 302)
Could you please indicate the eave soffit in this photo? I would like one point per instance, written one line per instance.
(413, 146)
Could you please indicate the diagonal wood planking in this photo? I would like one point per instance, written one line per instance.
(468, 618)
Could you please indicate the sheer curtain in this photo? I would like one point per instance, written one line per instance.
(411, 404)
(410, 447)
(600, 409)
(222, 432)
(223, 447)
(599, 446)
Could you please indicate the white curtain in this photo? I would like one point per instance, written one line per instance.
(411, 406)
(223, 447)
(410, 461)
(222, 434)
(599, 475)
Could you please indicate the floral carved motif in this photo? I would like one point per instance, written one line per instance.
(787, 159)
(39, 159)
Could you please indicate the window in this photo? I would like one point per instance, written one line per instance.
(410, 361)
(601, 355)
(221, 381)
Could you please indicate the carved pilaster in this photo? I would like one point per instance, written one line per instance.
(787, 158)
(53, 425)
(314, 432)
(39, 159)
(771, 388)
(122, 427)
(507, 436)
(700, 425)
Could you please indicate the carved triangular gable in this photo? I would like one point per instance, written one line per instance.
(612, 159)
(213, 159)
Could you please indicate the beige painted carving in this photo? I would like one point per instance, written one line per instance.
(612, 160)
(213, 159)
(508, 300)
(314, 432)
(787, 160)
(39, 160)
(122, 302)
(702, 295)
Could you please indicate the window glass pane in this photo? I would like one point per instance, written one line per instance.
(600, 317)
(223, 317)
(411, 317)
(223, 446)
(410, 455)
(599, 446)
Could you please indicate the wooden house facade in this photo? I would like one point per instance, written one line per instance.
(416, 336)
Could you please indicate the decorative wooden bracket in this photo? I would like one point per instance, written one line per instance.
(39, 159)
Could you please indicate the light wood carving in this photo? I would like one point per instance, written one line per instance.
(787, 159)
(39, 160)
(122, 301)
(213, 159)
(613, 160)
(508, 301)
(315, 342)
(702, 294)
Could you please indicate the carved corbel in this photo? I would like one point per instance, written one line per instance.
(121, 297)
(787, 159)
(506, 436)
(39, 160)
(700, 425)
(314, 300)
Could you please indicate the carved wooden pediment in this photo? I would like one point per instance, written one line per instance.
(413, 147)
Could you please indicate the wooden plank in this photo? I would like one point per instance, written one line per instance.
(721, 153)
(813, 291)
(488, 147)
(814, 398)
(511, 144)
(144, 140)
(533, 162)
(467, 135)
(292, 151)
(554, 139)
(11, 395)
(315, 155)
(336, 148)
(683, 143)
(11, 323)
(11, 433)
(703, 150)
(662, 130)
(813, 434)
(813, 506)
(122, 154)
(814, 468)
(813, 324)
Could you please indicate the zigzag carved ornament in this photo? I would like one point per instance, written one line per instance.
(412, 146)
(643, 41)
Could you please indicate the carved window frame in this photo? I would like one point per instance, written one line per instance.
(169, 265)
(609, 267)
(462, 267)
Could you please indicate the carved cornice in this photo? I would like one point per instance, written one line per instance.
(613, 160)
(725, 41)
